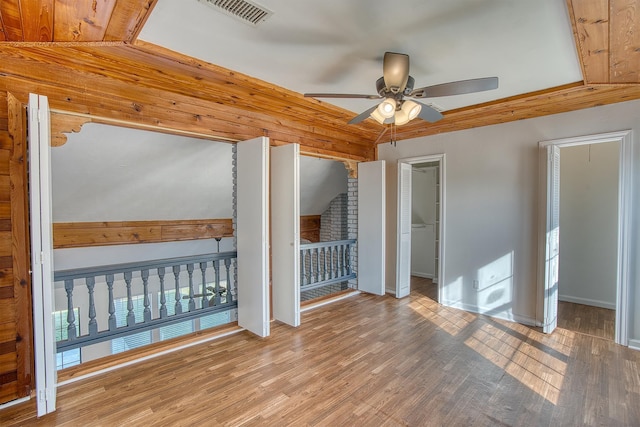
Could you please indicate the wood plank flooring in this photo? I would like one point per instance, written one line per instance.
(367, 361)
(586, 319)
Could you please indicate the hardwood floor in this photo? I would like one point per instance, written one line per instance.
(367, 361)
(585, 319)
(425, 287)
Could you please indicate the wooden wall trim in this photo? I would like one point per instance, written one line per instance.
(310, 227)
(87, 234)
(20, 247)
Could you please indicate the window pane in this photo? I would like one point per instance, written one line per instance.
(65, 359)
(172, 331)
(215, 319)
(118, 345)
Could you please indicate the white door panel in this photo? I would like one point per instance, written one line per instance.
(253, 235)
(552, 251)
(403, 273)
(371, 227)
(42, 253)
(285, 229)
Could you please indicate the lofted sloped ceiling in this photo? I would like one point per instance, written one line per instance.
(104, 61)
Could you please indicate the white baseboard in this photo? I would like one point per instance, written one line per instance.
(634, 344)
(509, 316)
(14, 402)
(329, 301)
(587, 301)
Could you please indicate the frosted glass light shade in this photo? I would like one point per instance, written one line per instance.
(375, 115)
(412, 109)
(387, 108)
(402, 117)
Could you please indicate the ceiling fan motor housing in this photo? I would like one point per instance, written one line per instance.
(385, 92)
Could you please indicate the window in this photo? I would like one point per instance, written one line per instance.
(215, 319)
(65, 359)
(177, 329)
(118, 345)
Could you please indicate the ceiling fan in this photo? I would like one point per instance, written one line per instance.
(396, 84)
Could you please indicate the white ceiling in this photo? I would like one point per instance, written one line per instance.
(337, 46)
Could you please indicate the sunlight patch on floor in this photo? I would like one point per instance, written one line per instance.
(450, 320)
(542, 373)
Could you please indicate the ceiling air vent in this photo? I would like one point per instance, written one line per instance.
(246, 11)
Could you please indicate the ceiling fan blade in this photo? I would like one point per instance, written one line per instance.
(395, 71)
(428, 113)
(340, 95)
(360, 117)
(456, 88)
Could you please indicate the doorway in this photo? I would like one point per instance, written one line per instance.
(549, 248)
(588, 221)
(424, 226)
(420, 245)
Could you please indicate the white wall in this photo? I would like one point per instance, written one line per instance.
(589, 224)
(321, 180)
(423, 221)
(109, 173)
(491, 196)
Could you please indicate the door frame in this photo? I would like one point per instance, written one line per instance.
(441, 160)
(625, 185)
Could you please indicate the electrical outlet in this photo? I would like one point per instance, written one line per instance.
(475, 285)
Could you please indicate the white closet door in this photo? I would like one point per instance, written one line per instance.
(252, 221)
(371, 227)
(42, 253)
(285, 229)
(552, 252)
(403, 271)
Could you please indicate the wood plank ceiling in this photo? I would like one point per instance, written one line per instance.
(92, 44)
(72, 21)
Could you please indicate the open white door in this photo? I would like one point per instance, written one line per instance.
(252, 222)
(285, 233)
(403, 271)
(42, 253)
(371, 227)
(552, 236)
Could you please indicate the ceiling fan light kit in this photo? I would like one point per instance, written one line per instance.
(396, 84)
(387, 108)
(407, 112)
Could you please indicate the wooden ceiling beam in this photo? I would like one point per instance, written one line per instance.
(126, 64)
(625, 41)
(153, 109)
(128, 18)
(552, 101)
(147, 102)
(590, 22)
